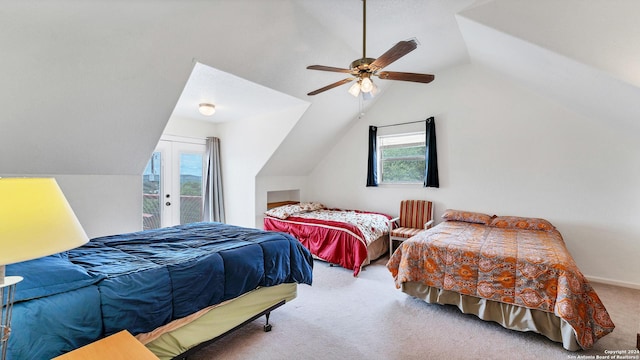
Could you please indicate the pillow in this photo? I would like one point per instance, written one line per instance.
(283, 212)
(524, 223)
(311, 206)
(466, 216)
(49, 275)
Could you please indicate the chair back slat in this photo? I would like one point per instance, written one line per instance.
(414, 213)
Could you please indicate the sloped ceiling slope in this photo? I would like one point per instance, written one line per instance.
(585, 54)
(88, 86)
(235, 98)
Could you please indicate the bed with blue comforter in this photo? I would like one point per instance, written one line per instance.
(143, 280)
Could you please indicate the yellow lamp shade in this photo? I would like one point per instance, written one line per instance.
(35, 220)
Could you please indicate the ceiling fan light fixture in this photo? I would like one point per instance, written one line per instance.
(369, 95)
(366, 85)
(355, 89)
(374, 90)
(207, 109)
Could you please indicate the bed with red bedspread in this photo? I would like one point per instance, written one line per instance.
(512, 270)
(349, 238)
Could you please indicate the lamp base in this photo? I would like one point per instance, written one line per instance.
(8, 284)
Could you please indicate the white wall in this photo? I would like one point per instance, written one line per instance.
(505, 150)
(191, 128)
(104, 204)
(265, 184)
(245, 146)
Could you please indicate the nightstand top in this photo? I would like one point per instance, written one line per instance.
(119, 346)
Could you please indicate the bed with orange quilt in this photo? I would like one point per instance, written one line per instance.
(512, 270)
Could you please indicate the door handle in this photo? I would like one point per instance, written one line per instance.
(168, 203)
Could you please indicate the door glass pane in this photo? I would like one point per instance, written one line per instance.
(151, 193)
(190, 188)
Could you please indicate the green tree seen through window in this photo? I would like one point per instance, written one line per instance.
(402, 163)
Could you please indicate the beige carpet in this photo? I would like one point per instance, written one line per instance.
(342, 317)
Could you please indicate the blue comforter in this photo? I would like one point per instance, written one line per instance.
(143, 280)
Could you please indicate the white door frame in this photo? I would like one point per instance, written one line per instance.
(170, 150)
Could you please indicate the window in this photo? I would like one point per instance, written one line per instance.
(402, 158)
(191, 177)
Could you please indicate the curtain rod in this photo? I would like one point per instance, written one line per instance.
(405, 123)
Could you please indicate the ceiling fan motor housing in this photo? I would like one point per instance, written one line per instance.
(361, 65)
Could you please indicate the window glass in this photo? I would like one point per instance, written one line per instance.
(402, 158)
(190, 188)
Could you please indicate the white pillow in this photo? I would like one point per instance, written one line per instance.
(284, 211)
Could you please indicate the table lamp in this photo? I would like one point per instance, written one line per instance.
(35, 221)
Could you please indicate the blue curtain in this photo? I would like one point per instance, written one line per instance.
(372, 164)
(431, 155)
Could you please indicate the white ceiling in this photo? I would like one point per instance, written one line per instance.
(88, 86)
(431, 23)
(602, 34)
(583, 54)
(234, 98)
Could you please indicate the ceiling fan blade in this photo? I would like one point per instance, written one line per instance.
(328, 68)
(405, 76)
(396, 52)
(331, 86)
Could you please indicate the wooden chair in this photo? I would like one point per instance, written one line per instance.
(415, 216)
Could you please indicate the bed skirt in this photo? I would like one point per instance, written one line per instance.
(180, 335)
(375, 250)
(508, 315)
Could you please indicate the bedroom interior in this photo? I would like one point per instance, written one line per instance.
(536, 104)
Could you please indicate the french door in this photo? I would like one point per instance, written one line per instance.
(172, 184)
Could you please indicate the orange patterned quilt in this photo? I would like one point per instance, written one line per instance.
(529, 268)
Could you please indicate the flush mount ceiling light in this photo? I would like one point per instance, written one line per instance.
(207, 109)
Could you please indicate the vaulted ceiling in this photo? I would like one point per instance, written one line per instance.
(584, 54)
(87, 87)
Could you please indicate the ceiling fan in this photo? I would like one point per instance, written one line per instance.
(364, 68)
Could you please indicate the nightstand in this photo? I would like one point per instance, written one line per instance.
(119, 346)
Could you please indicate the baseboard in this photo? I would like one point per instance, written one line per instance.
(601, 280)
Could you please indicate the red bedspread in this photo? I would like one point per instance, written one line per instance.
(342, 242)
(529, 268)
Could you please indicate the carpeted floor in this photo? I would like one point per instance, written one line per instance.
(342, 317)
